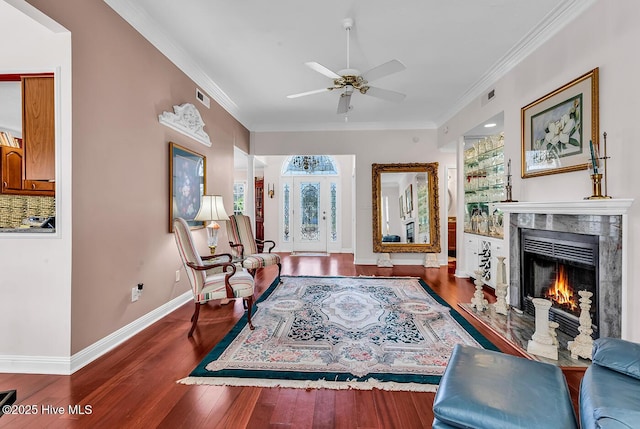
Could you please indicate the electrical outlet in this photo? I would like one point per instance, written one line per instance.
(135, 294)
(177, 275)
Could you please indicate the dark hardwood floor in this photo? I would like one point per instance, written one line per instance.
(134, 385)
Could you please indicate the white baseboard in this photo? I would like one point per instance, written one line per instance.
(109, 342)
(68, 365)
(395, 262)
(365, 262)
(14, 364)
(462, 274)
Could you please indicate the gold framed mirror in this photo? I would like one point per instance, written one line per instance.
(406, 215)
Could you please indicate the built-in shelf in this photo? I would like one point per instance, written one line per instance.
(484, 185)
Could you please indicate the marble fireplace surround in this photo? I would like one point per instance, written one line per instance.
(606, 218)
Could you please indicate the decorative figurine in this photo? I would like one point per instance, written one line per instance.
(542, 342)
(582, 345)
(478, 301)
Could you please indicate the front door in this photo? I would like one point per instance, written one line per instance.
(310, 214)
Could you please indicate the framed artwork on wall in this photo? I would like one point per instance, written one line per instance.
(187, 184)
(560, 129)
(408, 197)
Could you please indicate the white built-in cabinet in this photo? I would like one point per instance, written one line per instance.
(481, 254)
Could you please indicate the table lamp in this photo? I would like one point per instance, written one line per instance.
(211, 210)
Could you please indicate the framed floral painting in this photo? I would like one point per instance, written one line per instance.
(560, 130)
(187, 184)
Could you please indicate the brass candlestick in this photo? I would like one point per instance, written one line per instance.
(596, 182)
(598, 178)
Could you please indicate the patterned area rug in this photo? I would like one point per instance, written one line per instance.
(340, 333)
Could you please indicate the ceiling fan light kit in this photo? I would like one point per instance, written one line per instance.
(350, 79)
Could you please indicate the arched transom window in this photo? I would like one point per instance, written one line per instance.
(309, 164)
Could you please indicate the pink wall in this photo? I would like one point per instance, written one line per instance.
(121, 83)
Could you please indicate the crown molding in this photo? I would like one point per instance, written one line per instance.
(150, 30)
(550, 25)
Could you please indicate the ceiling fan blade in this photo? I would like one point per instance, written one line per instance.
(322, 70)
(315, 91)
(385, 94)
(383, 70)
(344, 103)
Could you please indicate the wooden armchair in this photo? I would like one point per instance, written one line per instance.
(218, 280)
(245, 246)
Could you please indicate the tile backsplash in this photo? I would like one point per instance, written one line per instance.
(15, 208)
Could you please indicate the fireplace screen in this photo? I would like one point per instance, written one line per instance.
(555, 266)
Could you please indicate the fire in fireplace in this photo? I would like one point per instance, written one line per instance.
(562, 294)
(555, 266)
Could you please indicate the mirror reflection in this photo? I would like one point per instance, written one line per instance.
(405, 208)
(10, 109)
(27, 152)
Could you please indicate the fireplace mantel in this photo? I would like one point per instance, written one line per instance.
(616, 206)
(607, 218)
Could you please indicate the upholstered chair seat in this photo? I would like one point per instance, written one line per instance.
(260, 260)
(214, 286)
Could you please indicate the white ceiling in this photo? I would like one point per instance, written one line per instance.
(248, 55)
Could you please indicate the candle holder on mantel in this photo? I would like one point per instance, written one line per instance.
(596, 184)
(509, 198)
(597, 179)
(507, 188)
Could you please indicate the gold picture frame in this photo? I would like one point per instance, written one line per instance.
(560, 129)
(187, 184)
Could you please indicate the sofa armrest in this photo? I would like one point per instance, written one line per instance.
(618, 355)
(616, 417)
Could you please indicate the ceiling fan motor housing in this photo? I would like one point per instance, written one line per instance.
(354, 80)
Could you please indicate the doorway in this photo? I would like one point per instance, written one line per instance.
(311, 204)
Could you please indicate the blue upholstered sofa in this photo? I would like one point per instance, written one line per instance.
(391, 239)
(486, 389)
(610, 388)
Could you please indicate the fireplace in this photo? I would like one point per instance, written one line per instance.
(555, 266)
(602, 226)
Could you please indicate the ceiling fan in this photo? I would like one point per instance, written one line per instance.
(349, 80)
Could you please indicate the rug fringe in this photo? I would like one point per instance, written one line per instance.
(369, 384)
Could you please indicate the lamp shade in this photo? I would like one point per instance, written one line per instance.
(211, 208)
